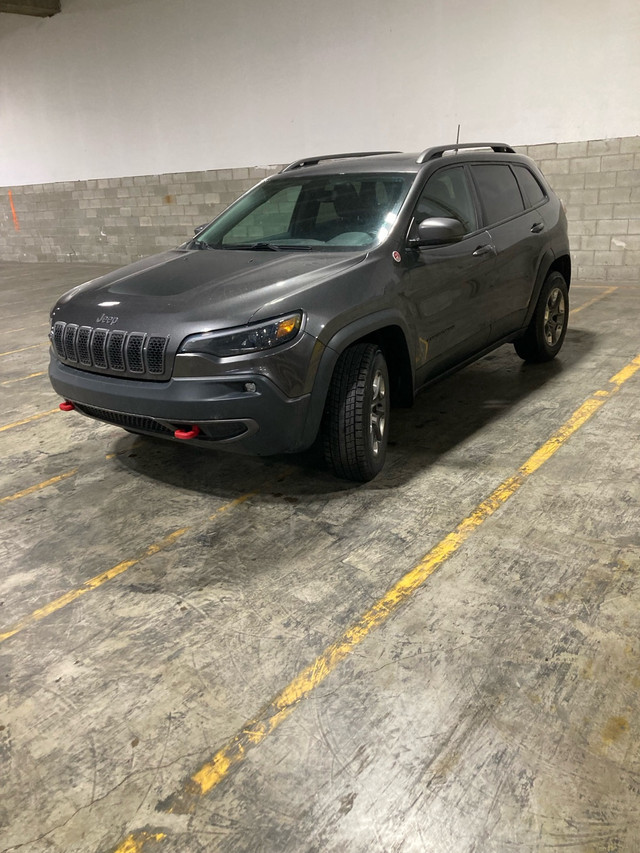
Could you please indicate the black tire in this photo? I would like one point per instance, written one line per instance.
(356, 417)
(545, 333)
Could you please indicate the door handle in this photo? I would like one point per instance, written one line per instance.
(487, 249)
(537, 227)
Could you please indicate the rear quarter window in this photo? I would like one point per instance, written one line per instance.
(531, 189)
(499, 192)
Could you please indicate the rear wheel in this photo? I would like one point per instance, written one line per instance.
(548, 326)
(356, 418)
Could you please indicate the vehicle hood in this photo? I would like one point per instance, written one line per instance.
(186, 291)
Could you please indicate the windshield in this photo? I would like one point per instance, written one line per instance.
(329, 212)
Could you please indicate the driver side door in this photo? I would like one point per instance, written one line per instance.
(449, 286)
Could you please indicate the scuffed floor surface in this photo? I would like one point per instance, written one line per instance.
(496, 709)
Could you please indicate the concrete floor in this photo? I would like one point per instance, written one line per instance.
(496, 710)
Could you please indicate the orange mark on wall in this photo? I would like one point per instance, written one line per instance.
(16, 224)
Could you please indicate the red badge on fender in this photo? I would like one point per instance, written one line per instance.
(397, 257)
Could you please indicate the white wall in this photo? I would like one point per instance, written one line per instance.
(128, 87)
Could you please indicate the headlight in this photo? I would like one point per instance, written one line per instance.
(261, 336)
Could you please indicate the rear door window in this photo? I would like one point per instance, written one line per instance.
(530, 187)
(499, 192)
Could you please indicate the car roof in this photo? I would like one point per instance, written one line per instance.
(394, 161)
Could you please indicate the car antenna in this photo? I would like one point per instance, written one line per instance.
(458, 138)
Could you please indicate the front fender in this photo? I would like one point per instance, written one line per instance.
(355, 331)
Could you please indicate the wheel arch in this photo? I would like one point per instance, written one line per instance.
(549, 263)
(393, 343)
(389, 331)
(562, 264)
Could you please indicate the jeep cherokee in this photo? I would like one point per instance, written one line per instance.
(322, 296)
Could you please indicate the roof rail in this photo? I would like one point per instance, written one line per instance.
(313, 161)
(439, 150)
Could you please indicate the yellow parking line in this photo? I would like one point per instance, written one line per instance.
(23, 328)
(593, 301)
(109, 574)
(185, 799)
(31, 489)
(89, 585)
(135, 843)
(22, 378)
(23, 349)
(38, 486)
(623, 375)
(29, 419)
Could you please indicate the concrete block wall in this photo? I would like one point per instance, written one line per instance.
(599, 182)
(117, 220)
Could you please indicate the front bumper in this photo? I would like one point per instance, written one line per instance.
(263, 421)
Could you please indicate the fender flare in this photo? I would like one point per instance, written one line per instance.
(336, 345)
(543, 271)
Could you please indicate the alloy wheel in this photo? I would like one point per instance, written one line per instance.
(378, 416)
(554, 316)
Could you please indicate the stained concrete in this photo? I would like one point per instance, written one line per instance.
(496, 711)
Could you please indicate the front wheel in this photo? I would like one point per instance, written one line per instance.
(356, 418)
(545, 333)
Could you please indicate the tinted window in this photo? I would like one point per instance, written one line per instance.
(499, 192)
(532, 190)
(447, 193)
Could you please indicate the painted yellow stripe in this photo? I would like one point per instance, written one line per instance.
(626, 373)
(234, 503)
(89, 585)
(29, 491)
(135, 843)
(24, 328)
(38, 486)
(257, 729)
(30, 419)
(579, 286)
(109, 574)
(593, 301)
(22, 378)
(24, 349)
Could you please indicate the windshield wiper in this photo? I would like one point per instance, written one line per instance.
(267, 247)
(264, 247)
(200, 244)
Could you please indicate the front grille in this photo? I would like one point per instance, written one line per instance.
(155, 354)
(82, 343)
(69, 341)
(58, 339)
(98, 350)
(110, 350)
(134, 352)
(123, 420)
(115, 353)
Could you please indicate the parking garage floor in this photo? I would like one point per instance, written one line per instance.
(206, 652)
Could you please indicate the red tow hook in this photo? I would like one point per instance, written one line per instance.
(67, 406)
(187, 433)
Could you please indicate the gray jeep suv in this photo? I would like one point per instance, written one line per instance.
(324, 295)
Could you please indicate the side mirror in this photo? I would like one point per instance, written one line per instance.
(438, 231)
(200, 228)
